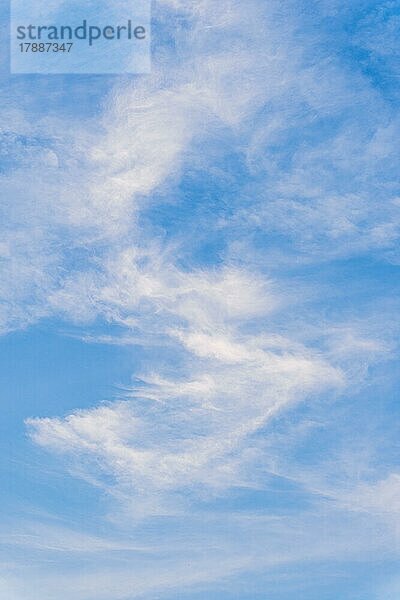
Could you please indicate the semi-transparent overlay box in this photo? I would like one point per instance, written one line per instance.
(89, 36)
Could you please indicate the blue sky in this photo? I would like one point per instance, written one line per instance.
(199, 312)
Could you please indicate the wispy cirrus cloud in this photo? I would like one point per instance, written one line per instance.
(261, 141)
(191, 430)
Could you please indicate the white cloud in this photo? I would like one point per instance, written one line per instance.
(44, 537)
(197, 432)
(212, 550)
(244, 351)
